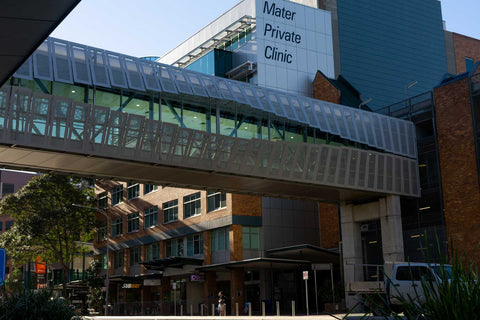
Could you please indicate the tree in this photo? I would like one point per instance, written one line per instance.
(47, 221)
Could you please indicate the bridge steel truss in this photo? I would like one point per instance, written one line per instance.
(34, 120)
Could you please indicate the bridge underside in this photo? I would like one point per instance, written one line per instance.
(14, 157)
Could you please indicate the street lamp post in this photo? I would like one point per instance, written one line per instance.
(108, 251)
(364, 103)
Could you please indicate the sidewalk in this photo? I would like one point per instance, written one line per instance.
(355, 316)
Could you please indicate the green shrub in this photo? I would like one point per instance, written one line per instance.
(31, 305)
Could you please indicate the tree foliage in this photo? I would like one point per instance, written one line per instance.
(46, 223)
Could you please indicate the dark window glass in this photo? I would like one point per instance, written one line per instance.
(8, 225)
(153, 252)
(170, 211)
(7, 188)
(102, 200)
(147, 188)
(216, 200)
(151, 217)
(191, 205)
(117, 226)
(135, 255)
(117, 195)
(118, 259)
(133, 190)
(133, 222)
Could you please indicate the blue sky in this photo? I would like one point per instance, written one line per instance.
(153, 27)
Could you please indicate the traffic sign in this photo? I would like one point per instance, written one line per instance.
(305, 275)
(3, 262)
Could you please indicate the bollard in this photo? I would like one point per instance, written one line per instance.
(191, 309)
(181, 310)
(293, 308)
(263, 308)
(249, 309)
(201, 309)
(213, 309)
(236, 309)
(278, 308)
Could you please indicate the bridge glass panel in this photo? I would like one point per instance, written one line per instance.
(134, 76)
(287, 107)
(362, 136)
(149, 76)
(81, 64)
(308, 108)
(321, 118)
(171, 112)
(166, 79)
(276, 104)
(196, 84)
(61, 61)
(183, 85)
(98, 64)
(108, 99)
(76, 93)
(298, 108)
(377, 130)
(139, 106)
(116, 69)
(211, 87)
(197, 118)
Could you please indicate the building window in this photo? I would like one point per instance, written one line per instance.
(194, 244)
(174, 248)
(151, 217)
(117, 195)
(102, 200)
(170, 211)
(1, 225)
(102, 258)
(135, 254)
(101, 232)
(133, 222)
(147, 188)
(133, 190)
(191, 205)
(7, 188)
(8, 225)
(216, 200)
(251, 237)
(153, 252)
(219, 239)
(117, 227)
(118, 259)
(469, 63)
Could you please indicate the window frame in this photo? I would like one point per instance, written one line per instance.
(101, 198)
(195, 245)
(215, 240)
(148, 188)
(170, 211)
(117, 227)
(133, 222)
(152, 254)
(178, 245)
(133, 190)
(247, 234)
(218, 197)
(150, 214)
(192, 200)
(117, 195)
(135, 255)
(9, 224)
(118, 259)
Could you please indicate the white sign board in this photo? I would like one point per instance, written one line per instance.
(293, 42)
(305, 275)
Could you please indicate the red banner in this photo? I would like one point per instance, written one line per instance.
(40, 267)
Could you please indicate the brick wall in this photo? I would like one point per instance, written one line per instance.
(458, 166)
(465, 47)
(244, 205)
(324, 90)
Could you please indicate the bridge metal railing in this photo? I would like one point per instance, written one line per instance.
(41, 121)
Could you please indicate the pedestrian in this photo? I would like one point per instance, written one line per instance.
(222, 304)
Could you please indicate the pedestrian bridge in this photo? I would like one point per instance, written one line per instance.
(53, 133)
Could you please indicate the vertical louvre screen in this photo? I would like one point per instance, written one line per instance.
(134, 77)
(42, 65)
(61, 62)
(99, 68)
(81, 64)
(117, 70)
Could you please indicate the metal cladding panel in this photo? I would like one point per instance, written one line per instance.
(386, 133)
(338, 115)
(290, 113)
(98, 63)
(368, 124)
(263, 98)
(81, 64)
(238, 91)
(42, 62)
(116, 69)
(181, 81)
(252, 98)
(149, 76)
(134, 77)
(224, 89)
(349, 124)
(362, 136)
(196, 83)
(210, 86)
(166, 79)
(277, 106)
(133, 135)
(25, 71)
(321, 119)
(377, 131)
(395, 135)
(61, 61)
(310, 113)
(412, 140)
(298, 108)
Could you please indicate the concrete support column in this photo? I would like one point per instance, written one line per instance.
(391, 223)
(210, 287)
(236, 289)
(351, 250)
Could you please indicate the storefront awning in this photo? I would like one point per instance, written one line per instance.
(258, 263)
(305, 252)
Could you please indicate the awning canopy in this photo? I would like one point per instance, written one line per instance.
(258, 263)
(172, 262)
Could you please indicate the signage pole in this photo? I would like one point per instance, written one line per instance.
(3, 263)
(305, 277)
(316, 291)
